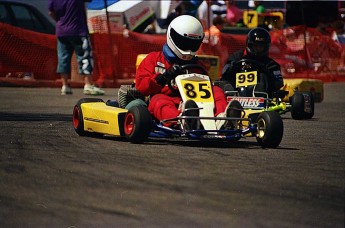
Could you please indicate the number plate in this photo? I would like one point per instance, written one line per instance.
(199, 91)
(246, 79)
(251, 18)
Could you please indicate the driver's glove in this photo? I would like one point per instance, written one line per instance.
(169, 74)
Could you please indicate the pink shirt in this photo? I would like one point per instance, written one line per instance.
(233, 14)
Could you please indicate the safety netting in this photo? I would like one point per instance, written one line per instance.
(30, 58)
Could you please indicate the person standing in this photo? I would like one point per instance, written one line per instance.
(213, 35)
(258, 7)
(218, 8)
(73, 36)
(233, 14)
(338, 33)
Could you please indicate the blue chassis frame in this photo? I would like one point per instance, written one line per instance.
(161, 131)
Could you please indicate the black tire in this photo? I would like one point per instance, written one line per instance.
(78, 119)
(270, 129)
(137, 124)
(302, 106)
(309, 115)
(297, 106)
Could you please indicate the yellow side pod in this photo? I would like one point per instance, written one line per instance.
(101, 118)
(314, 86)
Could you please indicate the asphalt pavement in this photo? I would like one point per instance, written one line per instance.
(51, 177)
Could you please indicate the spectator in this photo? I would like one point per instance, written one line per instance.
(338, 34)
(213, 37)
(191, 7)
(339, 37)
(218, 8)
(184, 37)
(257, 48)
(258, 7)
(205, 14)
(187, 7)
(73, 36)
(233, 14)
(324, 25)
(213, 34)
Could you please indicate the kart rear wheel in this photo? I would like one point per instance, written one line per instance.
(137, 124)
(78, 119)
(302, 105)
(310, 114)
(270, 129)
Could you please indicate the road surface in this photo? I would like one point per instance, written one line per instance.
(51, 177)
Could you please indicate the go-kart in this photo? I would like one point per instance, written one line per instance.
(128, 116)
(249, 88)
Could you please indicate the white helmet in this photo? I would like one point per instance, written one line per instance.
(184, 36)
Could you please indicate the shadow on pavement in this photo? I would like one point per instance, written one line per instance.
(7, 116)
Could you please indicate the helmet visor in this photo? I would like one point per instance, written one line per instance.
(187, 42)
(257, 48)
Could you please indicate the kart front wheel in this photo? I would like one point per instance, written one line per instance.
(270, 129)
(78, 119)
(137, 124)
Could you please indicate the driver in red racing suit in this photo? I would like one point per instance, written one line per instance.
(184, 37)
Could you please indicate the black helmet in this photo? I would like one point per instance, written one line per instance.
(258, 37)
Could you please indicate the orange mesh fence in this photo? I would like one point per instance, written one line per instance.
(115, 55)
(301, 52)
(26, 51)
(304, 52)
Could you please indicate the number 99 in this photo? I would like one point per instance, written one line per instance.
(250, 77)
(241, 78)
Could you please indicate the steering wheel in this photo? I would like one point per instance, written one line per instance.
(187, 68)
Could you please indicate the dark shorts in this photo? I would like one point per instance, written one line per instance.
(81, 45)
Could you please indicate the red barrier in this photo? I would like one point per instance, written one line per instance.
(26, 51)
(301, 52)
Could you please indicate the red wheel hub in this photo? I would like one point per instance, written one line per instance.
(75, 117)
(129, 123)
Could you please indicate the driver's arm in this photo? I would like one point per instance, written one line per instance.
(145, 77)
(276, 74)
(229, 71)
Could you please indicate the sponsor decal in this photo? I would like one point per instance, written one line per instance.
(213, 136)
(261, 39)
(160, 68)
(248, 102)
(96, 120)
(134, 19)
(194, 36)
(160, 64)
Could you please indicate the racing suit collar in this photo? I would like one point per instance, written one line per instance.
(250, 56)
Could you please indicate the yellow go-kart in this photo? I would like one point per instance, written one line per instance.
(129, 117)
(249, 88)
